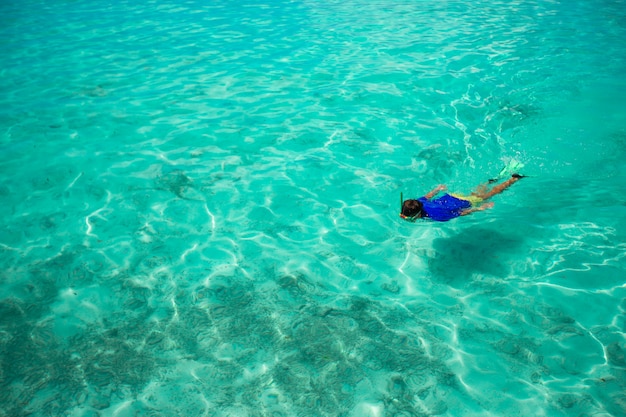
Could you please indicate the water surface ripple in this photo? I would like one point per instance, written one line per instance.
(200, 208)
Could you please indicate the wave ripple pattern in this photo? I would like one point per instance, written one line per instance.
(200, 208)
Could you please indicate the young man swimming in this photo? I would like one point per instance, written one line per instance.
(450, 206)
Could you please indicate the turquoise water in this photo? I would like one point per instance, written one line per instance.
(200, 208)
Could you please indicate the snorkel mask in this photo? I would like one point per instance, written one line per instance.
(407, 218)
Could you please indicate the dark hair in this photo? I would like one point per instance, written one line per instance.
(412, 208)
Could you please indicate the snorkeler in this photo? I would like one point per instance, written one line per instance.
(450, 206)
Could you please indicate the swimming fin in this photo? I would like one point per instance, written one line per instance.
(511, 167)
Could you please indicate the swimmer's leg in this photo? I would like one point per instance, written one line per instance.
(480, 190)
(500, 187)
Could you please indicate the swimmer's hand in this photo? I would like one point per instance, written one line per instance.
(485, 206)
(479, 208)
(440, 187)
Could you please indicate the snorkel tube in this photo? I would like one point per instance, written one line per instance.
(401, 214)
(407, 218)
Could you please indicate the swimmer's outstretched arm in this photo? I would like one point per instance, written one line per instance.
(475, 209)
(434, 192)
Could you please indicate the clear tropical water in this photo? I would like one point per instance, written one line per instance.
(200, 208)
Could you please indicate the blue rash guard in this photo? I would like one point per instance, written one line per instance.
(443, 208)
